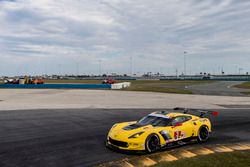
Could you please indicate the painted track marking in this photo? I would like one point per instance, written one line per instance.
(240, 147)
(168, 157)
(203, 151)
(222, 149)
(127, 164)
(186, 154)
(148, 162)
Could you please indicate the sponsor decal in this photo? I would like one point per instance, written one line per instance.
(165, 135)
(169, 141)
(178, 135)
(203, 120)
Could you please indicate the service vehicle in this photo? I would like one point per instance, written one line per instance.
(161, 129)
(37, 81)
(11, 81)
(109, 81)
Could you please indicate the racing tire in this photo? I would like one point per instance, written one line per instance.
(203, 134)
(152, 143)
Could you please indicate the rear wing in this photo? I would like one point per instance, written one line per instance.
(200, 112)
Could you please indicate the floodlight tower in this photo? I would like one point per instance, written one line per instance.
(131, 67)
(184, 61)
(100, 69)
(240, 69)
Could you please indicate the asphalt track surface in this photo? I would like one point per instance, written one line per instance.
(219, 88)
(75, 137)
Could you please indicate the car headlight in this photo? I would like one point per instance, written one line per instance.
(136, 135)
(113, 126)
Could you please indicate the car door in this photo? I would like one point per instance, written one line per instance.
(187, 127)
(182, 127)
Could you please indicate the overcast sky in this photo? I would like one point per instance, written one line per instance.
(57, 36)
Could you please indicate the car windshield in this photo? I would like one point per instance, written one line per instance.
(154, 121)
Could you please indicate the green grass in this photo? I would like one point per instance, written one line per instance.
(245, 85)
(234, 159)
(171, 82)
(158, 89)
(246, 93)
(175, 86)
(166, 86)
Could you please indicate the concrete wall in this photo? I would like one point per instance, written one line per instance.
(56, 86)
(120, 85)
(66, 86)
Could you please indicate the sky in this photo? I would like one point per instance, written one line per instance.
(124, 36)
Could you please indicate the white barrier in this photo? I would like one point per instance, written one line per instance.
(120, 85)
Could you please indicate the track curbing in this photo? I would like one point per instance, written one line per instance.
(222, 149)
(168, 157)
(148, 162)
(174, 155)
(203, 151)
(186, 154)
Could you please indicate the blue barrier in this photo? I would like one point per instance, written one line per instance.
(56, 86)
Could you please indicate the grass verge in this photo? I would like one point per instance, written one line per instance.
(245, 85)
(175, 86)
(246, 93)
(160, 89)
(238, 158)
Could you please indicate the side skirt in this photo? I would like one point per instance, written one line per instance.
(179, 143)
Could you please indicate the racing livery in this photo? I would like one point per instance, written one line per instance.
(161, 129)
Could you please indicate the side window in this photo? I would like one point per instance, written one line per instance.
(181, 119)
(187, 118)
(178, 119)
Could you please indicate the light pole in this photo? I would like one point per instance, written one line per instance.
(240, 69)
(100, 70)
(59, 69)
(77, 65)
(77, 68)
(131, 71)
(184, 61)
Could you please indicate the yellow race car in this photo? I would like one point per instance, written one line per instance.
(161, 129)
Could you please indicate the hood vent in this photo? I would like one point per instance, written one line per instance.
(132, 126)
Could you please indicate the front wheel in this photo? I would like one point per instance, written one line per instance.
(203, 134)
(152, 143)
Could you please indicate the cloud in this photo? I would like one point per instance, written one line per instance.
(155, 34)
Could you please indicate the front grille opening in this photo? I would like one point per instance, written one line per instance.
(118, 143)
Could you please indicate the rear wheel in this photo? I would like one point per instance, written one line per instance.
(203, 134)
(152, 143)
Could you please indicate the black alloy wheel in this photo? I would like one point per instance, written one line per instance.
(152, 143)
(203, 134)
